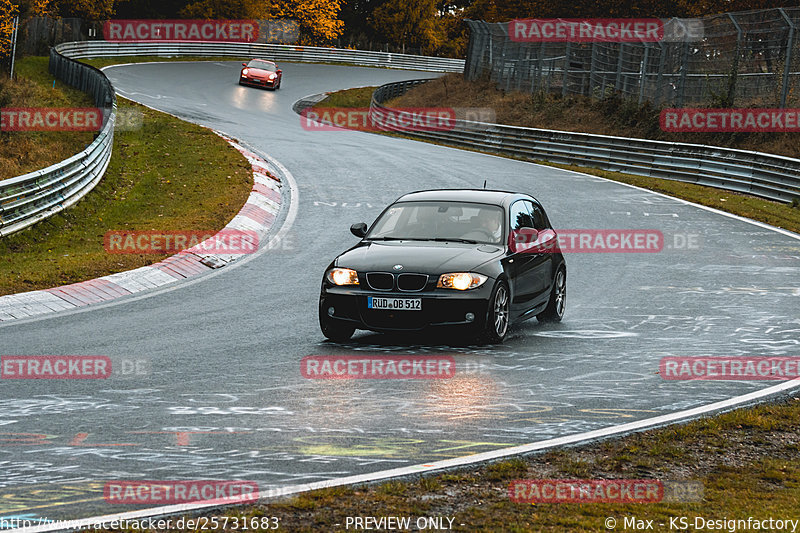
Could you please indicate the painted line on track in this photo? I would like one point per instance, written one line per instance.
(283, 227)
(575, 439)
(52, 303)
(415, 470)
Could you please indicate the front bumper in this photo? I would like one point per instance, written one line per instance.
(441, 307)
(256, 82)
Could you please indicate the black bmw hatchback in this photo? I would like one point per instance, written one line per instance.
(472, 259)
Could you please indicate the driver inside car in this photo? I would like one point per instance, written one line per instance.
(489, 222)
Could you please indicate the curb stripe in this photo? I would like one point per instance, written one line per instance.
(257, 214)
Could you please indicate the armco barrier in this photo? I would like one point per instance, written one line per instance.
(27, 199)
(769, 176)
(276, 52)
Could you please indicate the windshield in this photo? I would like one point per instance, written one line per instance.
(457, 221)
(263, 65)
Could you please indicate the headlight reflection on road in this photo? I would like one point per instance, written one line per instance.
(463, 397)
(254, 99)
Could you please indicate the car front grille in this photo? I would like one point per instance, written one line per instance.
(412, 282)
(406, 282)
(380, 281)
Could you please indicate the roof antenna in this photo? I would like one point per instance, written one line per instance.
(484, 184)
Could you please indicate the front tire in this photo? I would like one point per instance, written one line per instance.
(554, 311)
(498, 316)
(334, 330)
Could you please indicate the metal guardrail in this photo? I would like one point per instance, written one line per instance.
(32, 197)
(766, 175)
(28, 199)
(275, 52)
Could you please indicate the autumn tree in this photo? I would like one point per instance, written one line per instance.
(86, 9)
(39, 8)
(225, 9)
(355, 14)
(7, 13)
(318, 19)
(412, 23)
(151, 9)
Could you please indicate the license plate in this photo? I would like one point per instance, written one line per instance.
(395, 304)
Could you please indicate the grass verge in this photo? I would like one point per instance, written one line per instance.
(611, 115)
(358, 97)
(786, 216)
(744, 461)
(25, 151)
(169, 175)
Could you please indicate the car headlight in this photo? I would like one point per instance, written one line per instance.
(342, 276)
(272, 76)
(461, 280)
(244, 72)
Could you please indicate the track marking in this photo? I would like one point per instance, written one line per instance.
(285, 227)
(617, 430)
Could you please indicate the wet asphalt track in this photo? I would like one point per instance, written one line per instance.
(225, 398)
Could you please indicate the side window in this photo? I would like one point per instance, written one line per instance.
(519, 216)
(537, 214)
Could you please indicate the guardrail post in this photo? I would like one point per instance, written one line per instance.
(787, 58)
(591, 70)
(618, 81)
(565, 70)
(643, 75)
(684, 72)
(540, 69)
(735, 66)
(504, 53)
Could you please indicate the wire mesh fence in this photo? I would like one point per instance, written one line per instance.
(745, 59)
(38, 34)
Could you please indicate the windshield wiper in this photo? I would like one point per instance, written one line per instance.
(443, 239)
(436, 239)
(388, 239)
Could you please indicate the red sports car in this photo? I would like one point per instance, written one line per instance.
(260, 73)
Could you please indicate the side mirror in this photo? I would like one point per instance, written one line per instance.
(244, 64)
(359, 230)
(522, 240)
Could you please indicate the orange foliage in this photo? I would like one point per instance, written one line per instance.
(7, 13)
